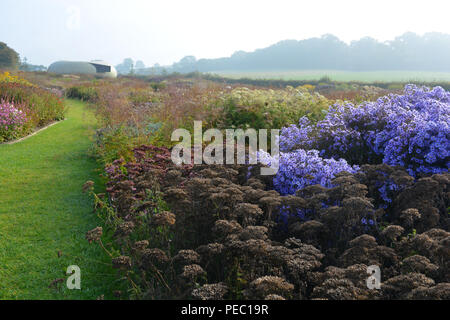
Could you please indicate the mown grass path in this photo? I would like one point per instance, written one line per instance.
(43, 211)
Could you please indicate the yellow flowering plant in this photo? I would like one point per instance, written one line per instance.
(7, 77)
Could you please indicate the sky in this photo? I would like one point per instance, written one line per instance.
(165, 31)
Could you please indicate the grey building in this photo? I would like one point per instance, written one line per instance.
(96, 67)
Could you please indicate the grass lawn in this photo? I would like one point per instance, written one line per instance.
(369, 76)
(43, 211)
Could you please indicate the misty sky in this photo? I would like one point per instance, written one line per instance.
(164, 31)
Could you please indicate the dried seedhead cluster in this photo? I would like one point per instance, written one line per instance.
(218, 232)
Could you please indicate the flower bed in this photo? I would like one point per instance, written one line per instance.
(353, 191)
(12, 121)
(26, 107)
(208, 232)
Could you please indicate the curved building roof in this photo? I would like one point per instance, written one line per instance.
(96, 67)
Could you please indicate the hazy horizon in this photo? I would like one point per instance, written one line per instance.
(164, 32)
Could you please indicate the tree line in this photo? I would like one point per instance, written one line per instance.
(409, 51)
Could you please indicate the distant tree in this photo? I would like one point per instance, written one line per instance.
(128, 62)
(139, 64)
(126, 67)
(156, 69)
(9, 59)
(24, 65)
(369, 54)
(187, 64)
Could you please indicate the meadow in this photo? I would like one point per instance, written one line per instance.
(363, 181)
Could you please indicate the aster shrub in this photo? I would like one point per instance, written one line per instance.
(411, 130)
(302, 168)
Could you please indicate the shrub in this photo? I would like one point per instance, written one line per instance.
(411, 130)
(301, 168)
(113, 143)
(157, 85)
(142, 96)
(84, 93)
(267, 108)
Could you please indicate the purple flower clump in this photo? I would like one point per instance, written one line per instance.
(411, 130)
(12, 120)
(302, 168)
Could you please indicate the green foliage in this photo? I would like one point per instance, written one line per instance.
(113, 143)
(325, 79)
(268, 109)
(157, 85)
(83, 93)
(142, 96)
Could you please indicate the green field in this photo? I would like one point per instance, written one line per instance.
(369, 76)
(43, 211)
